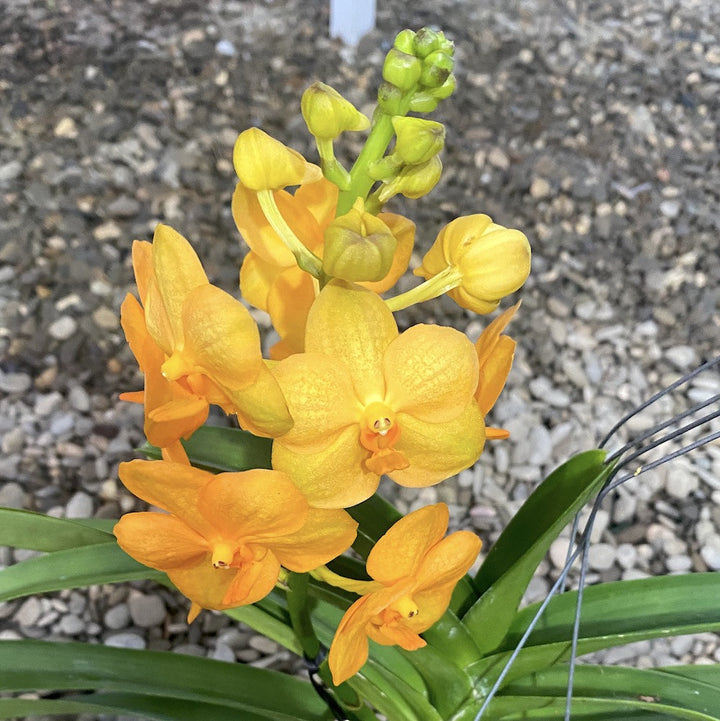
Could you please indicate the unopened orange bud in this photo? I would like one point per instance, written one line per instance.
(263, 163)
(493, 261)
(327, 113)
(358, 246)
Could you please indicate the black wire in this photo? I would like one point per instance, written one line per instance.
(613, 482)
(680, 381)
(313, 667)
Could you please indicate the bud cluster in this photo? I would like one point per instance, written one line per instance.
(420, 65)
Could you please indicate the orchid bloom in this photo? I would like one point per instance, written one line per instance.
(368, 401)
(225, 536)
(414, 570)
(270, 278)
(495, 354)
(196, 345)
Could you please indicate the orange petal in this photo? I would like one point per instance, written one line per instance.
(253, 583)
(174, 487)
(331, 478)
(252, 505)
(404, 231)
(160, 541)
(142, 266)
(177, 272)
(353, 325)
(320, 398)
(324, 535)
(448, 561)
(261, 407)
(176, 419)
(289, 301)
(400, 552)
(437, 451)
(349, 649)
(204, 585)
(320, 199)
(485, 344)
(431, 372)
(255, 229)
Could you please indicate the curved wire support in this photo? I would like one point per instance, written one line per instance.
(627, 455)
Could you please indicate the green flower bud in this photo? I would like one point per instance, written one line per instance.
(413, 181)
(390, 99)
(358, 246)
(423, 102)
(418, 140)
(405, 41)
(401, 69)
(327, 113)
(446, 89)
(426, 41)
(436, 69)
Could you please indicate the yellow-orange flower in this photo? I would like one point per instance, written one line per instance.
(225, 536)
(415, 569)
(196, 345)
(477, 261)
(367, 401)
(495, 354)
(270, 278)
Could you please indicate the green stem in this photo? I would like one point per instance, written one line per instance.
(441, 283)
(306, 259)
(381, 133)
(332, 168)
(297, 602)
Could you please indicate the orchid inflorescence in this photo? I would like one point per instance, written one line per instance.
(345, 396)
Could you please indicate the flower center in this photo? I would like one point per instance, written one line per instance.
(379, 431)
(231, 555)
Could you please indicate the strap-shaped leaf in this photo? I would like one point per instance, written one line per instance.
(38, 532)
(222, 449)
(613, 614)
(72, 568)
(27, 665)
(511, 563)
(161, 708)
(612, 688)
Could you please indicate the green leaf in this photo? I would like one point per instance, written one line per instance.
(613, 687)
(161, 708)
(613, 614)
(38, 532)
(707, 673)
(72, 568)
(511, 563)
(222, 449)
(27, 665)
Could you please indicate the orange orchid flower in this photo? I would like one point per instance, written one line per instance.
(270, 278)
(368, 401)
(495, 354)
(415, 570)
(224, 537)
(196, 345)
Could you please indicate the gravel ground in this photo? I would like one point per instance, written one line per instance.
(592, 127)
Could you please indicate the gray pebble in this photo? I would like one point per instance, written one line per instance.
(12, 495)
(30, 612)
(126, 640)
(15, 382)
(79, 399)
(146, 611)
(71, 625)
(80, 505)
(117, 617)
(62, 423)
(13, 440)
(683, 357)
(63, 328)
(263, 645)
(221, 652)
(601, 556)
(189, 649)
(711, 556)
(47, 403)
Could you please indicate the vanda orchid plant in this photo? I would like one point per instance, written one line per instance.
(278, 523)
